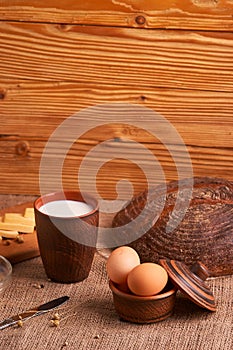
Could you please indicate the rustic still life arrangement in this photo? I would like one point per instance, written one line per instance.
(170, 287)
(145, 275)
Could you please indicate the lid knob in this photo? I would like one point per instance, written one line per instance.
(191, 281)
(200, 270)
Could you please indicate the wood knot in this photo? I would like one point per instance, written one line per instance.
(2, 95)
(64, 27)
(140, 20)
(143, 98)
(22, 148)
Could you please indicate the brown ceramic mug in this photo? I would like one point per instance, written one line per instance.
(67, 243)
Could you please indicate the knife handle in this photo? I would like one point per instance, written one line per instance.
(7, 322)
(34, 312)
(23, 316)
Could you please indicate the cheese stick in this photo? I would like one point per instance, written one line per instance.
(29, 213)
(15, 218)
(9, 234)
(13, 215)
(16, 227)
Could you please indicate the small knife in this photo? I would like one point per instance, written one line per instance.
(38, 310)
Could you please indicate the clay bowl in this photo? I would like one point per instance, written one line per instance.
(144, 309)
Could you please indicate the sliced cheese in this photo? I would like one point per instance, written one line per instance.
(18, 219)
(9, 234)
(29, 213)
(8, 226)
(12, 215)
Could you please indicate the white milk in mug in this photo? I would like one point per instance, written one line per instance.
(66, 208)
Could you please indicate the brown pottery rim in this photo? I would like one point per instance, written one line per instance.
(125, 295)
(65, 195)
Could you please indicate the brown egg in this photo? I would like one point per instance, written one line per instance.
(147, 279)
(123, 287)
(120, 262)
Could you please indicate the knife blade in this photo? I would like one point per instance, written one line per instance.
(38, 310)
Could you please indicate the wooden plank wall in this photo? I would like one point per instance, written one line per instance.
(56, 59)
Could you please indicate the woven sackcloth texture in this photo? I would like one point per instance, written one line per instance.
(89, 321)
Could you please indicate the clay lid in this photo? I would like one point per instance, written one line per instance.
(190, 281)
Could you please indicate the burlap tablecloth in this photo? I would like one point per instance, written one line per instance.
(88, 319)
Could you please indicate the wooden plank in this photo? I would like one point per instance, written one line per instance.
(21, 174)
(181, 14)
(168, 59)
(31, 109)
(23, 177)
